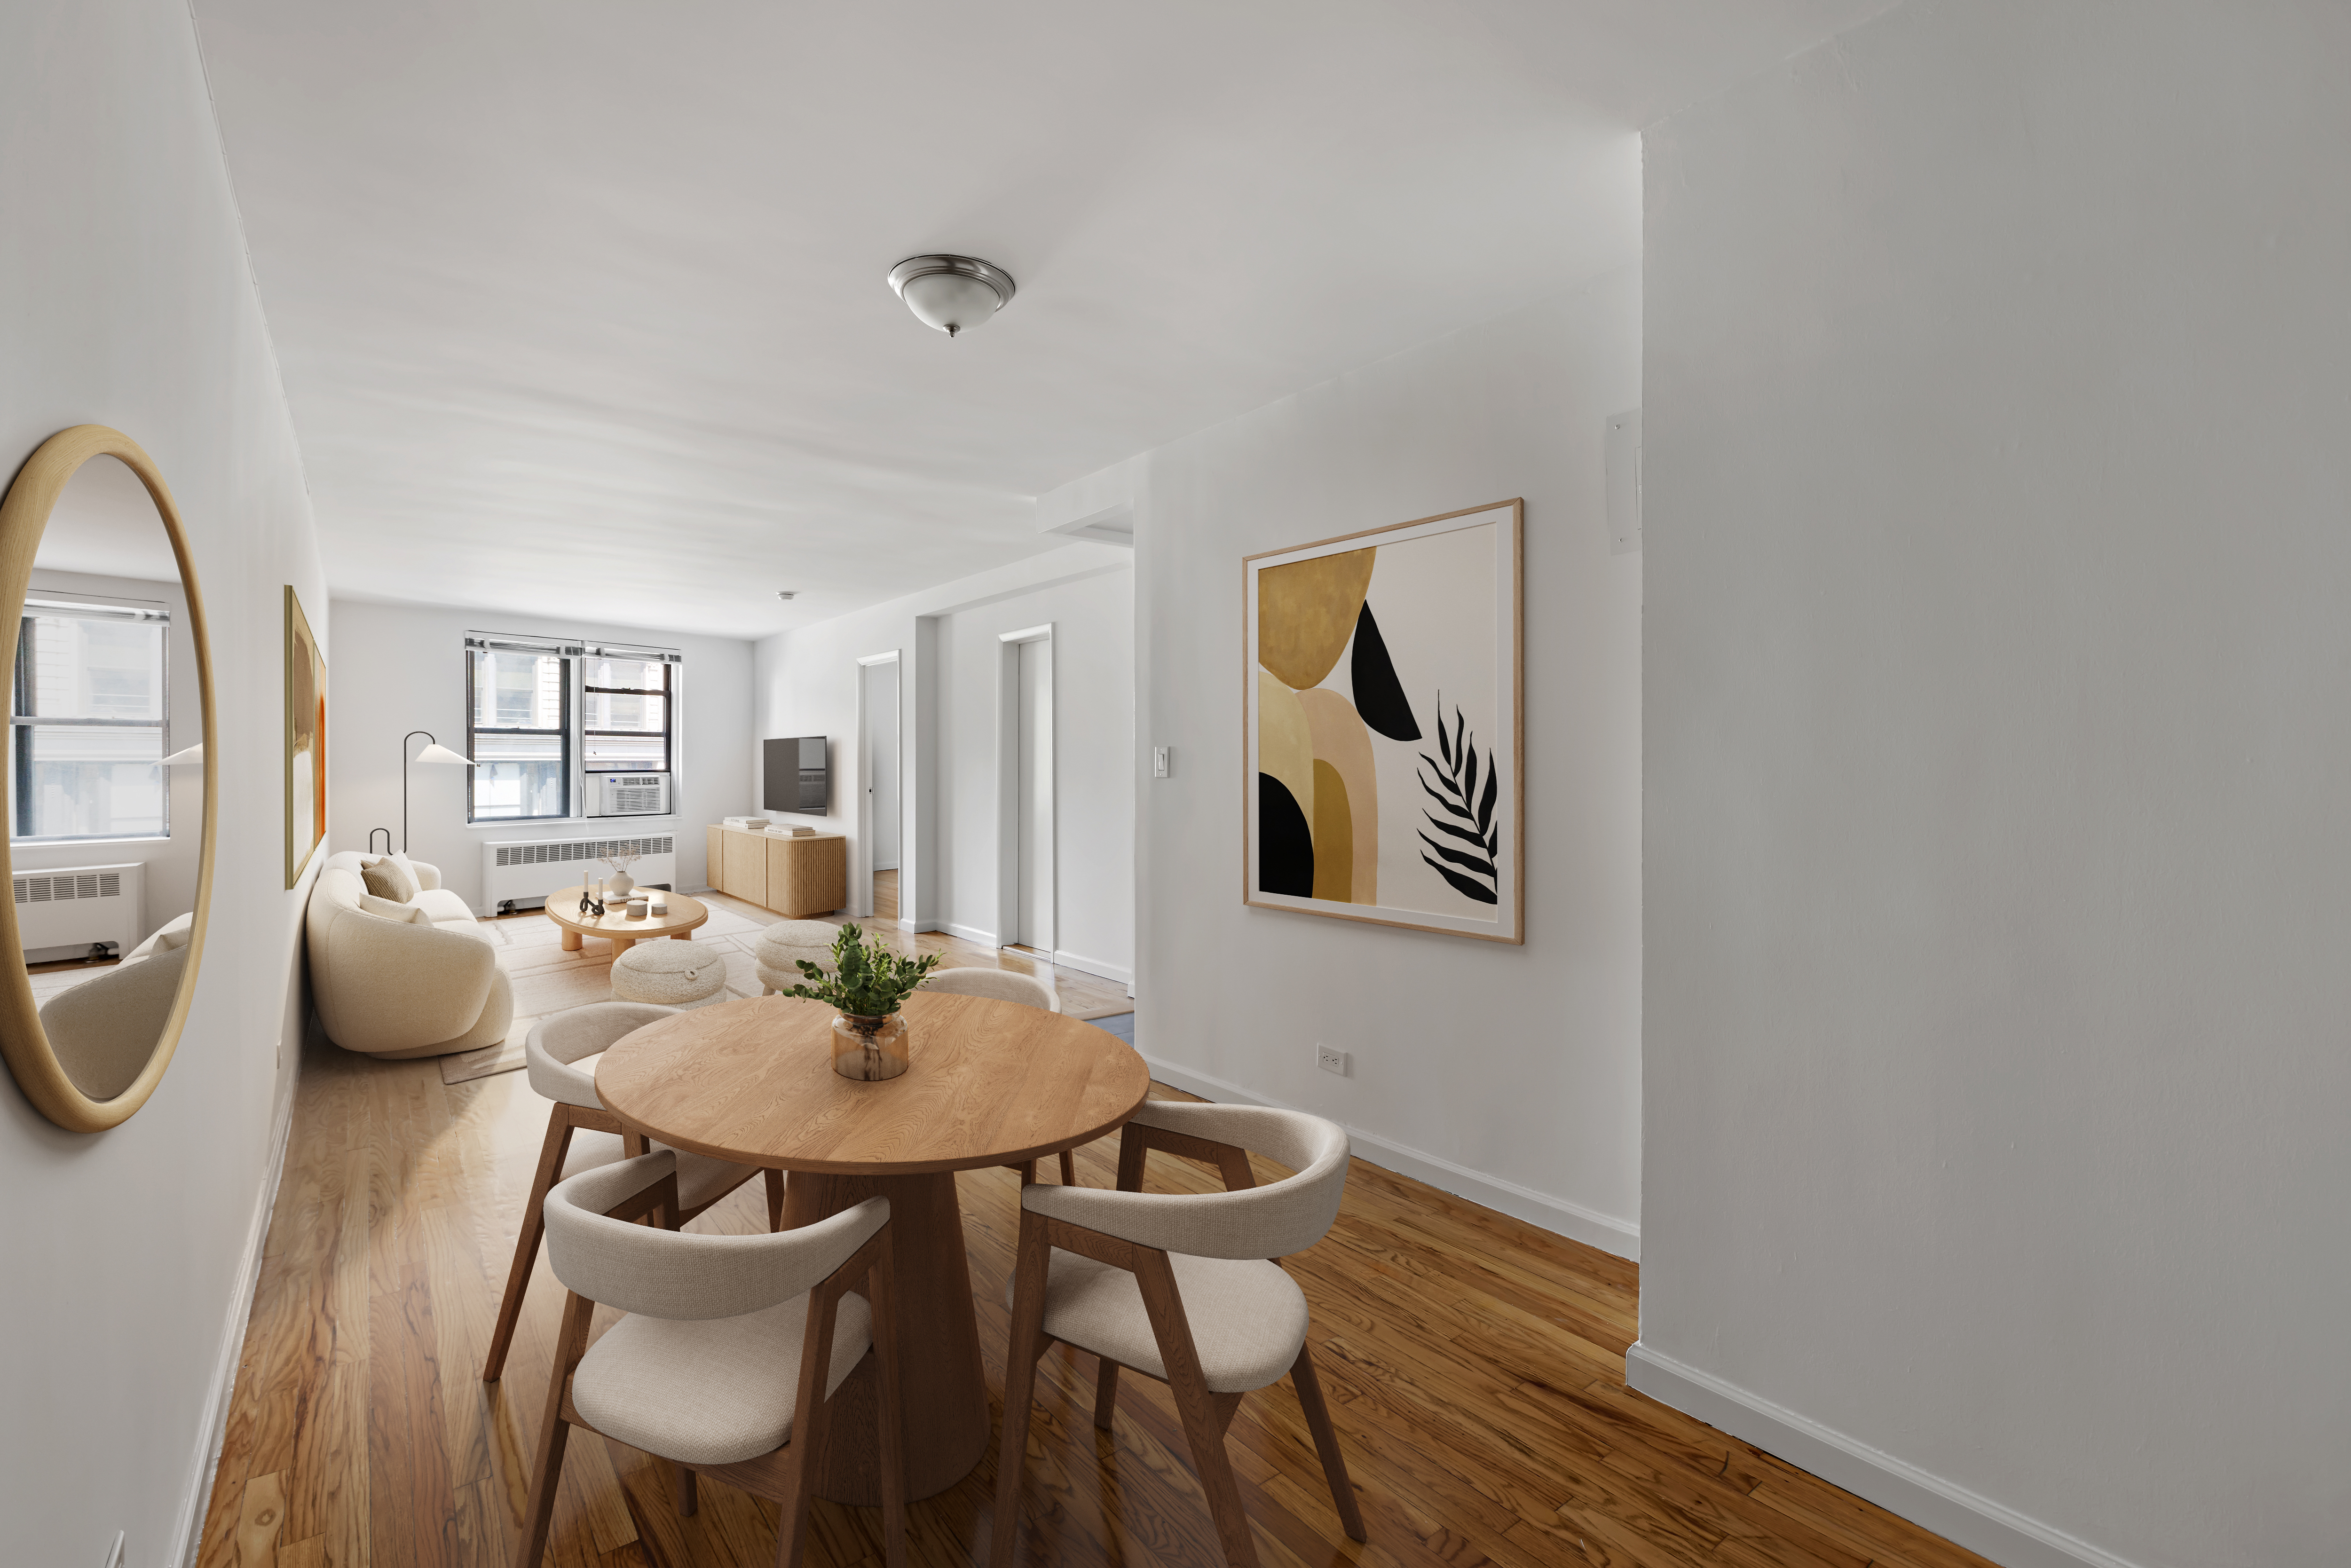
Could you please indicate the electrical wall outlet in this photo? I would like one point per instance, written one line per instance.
(1162, 761)
(1331, 1060)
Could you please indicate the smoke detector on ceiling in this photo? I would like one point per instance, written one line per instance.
(952, 293)
(788, 594)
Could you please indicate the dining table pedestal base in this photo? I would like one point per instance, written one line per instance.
(946, 1393)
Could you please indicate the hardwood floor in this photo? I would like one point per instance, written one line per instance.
(885, 895)
(1474, 1365)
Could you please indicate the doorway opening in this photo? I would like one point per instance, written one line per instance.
(1025, 858)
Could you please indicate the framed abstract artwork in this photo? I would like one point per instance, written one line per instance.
(305, 740)
(1382, 721)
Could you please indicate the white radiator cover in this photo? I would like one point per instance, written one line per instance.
(531, 868)
(74, 906)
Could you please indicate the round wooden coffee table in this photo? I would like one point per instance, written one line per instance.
(684, 913)
(992, 1083)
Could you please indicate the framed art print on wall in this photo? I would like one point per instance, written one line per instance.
(305, 740)
(1382, 721)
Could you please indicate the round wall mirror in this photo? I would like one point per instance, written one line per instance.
(108, 779)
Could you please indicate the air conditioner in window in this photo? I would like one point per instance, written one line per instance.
(628, 794)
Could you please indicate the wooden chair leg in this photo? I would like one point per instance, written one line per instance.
(810, 1414)
(1068, 1168)
(775, 1198)
(1204, 1430)
(893, 1414)
(554, 1433)
(1326, 1442)
(1028, 1169)
(1019, 1380)
(526, 1255)
(683, 1489)
(1105, 1394)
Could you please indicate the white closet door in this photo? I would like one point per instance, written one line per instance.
(1035, 814)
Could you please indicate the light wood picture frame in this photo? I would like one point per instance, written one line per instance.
(54, 1073)
(1383, 722)
(305, 740)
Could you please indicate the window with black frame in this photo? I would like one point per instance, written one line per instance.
(88, 726)
(628, 714)
(517, 731)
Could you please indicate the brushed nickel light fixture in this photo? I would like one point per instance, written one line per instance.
(952, 293)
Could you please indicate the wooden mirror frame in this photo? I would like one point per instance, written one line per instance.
(24, 520)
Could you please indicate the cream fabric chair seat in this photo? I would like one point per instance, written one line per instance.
(706, 1370)
(715, 1392)
(1004, 984)
(561, 1055)
(1248, 1318)
(701, 1180)
(670, 974)
(1229, 1320)
(789, 940)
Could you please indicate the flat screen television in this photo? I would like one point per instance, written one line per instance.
(799, 775)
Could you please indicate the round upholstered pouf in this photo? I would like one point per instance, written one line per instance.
(788, 940)
(672, 973)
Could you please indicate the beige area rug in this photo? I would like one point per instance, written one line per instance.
(548, 980)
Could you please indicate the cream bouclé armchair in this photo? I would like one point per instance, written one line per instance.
(399, 979)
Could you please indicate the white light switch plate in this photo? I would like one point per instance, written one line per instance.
(1162, 761)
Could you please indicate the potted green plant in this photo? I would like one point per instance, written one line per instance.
(866, 987)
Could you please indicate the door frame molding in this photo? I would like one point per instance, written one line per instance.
(861, 846)
(1008, 784)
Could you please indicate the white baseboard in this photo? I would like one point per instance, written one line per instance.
(1107, 970)
(968, 932)
(191, 1525)
(1950, 1510)
(1556, 1215)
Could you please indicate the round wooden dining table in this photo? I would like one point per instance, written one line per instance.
(992, 1083)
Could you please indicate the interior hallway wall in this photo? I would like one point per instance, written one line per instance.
(806, 683)
(1998, 744)
(129, 1252)
(393, 668)
(1508, 1074)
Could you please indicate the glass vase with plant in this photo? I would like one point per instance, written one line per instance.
(866, 987)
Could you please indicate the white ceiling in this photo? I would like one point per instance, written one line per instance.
(580, 304)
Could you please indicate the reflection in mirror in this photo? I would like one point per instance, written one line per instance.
(105, 822)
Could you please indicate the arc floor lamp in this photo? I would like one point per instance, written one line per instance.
(433, 752)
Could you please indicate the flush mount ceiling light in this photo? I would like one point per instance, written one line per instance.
(788, 594)
(952, 292)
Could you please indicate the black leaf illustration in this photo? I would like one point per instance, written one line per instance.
(1467, 863)
(1459, 794)
(1462, 885)
(1464, 834)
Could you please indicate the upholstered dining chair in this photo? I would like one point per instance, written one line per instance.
(1182, 1288)
(560, 1052)
(1007, 985)
(733, 1345)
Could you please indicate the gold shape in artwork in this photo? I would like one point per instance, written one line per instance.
(1285, 748)
(1306, 611)
(1334, 836)
(1343, 743)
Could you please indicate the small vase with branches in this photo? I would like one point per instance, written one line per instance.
(866, 987)
(620, 857)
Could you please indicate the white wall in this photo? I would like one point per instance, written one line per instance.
(129, 1252)
(1511, 1074)
(1998, 747)
(168, 887)
(393, 668)
(806, 683)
